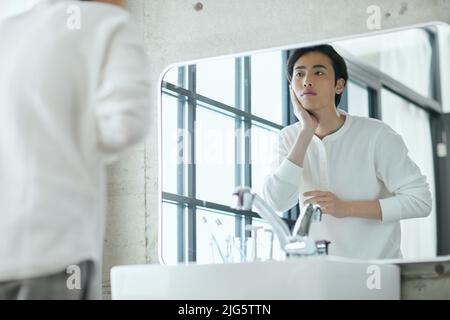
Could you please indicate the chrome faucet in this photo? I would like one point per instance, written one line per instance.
(313, 213)
(246, 199)
(297, 243)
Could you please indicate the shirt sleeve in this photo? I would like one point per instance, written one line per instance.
(402, 177)
(123, 94)
(282, 186)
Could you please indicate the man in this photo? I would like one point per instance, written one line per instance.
(357, 169)
(71, 100)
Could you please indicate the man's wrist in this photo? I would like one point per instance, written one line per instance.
(348, 208)
(306, 133)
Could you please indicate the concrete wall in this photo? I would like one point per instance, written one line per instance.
(177, 31)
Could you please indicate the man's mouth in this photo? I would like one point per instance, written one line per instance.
(308, 94)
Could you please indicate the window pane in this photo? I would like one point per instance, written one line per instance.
(170, 152)
(216, 237)
(174, 145)
(262, 154)
(403, 55)
(169, 235)
(216, 80)
(358, 100)
(413, 124)
(266, 80)
(214, 156)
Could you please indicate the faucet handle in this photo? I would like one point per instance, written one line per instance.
(317, 215)
(243, 197)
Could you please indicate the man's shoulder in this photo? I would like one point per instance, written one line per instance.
(368, 124)
(375, 129)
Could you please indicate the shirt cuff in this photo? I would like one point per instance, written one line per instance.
(391, 209)
(289, 172)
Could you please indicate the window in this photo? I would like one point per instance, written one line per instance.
(405, 56)
(215, 155)
(266, 88)
(216, 80)
(358, 100)
(216, 128)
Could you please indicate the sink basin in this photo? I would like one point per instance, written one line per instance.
(317, 277)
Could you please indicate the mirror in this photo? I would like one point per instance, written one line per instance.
(220, 121)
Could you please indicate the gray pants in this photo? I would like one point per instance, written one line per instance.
(57, 286)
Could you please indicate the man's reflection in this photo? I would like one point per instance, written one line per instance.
(357, 169)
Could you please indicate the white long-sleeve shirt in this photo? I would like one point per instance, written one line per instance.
(364, 160)
(71, 100)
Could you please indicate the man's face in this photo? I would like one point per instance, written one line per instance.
(313, 81)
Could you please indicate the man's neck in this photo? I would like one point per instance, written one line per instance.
(329, 121)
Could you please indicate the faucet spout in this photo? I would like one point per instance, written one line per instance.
(297, 243)
(312, 213)
(246, 199)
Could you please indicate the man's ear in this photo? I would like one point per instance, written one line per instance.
(340, 85)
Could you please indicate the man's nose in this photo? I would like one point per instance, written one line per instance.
(307, 82)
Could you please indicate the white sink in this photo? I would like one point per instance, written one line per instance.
(318, 277)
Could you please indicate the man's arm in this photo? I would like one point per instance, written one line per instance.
(401, 176)
(338, 208)
(308, 126)
(281, 188)
(123, 95)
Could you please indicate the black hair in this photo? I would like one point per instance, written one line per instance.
(339, 66)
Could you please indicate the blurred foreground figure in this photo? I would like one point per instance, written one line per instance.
(74, 96)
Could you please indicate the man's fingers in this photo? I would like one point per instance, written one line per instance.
(295, 100)
(317, 200)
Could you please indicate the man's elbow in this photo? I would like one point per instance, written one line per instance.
(121, 132)
(423, 205)
(427, 207)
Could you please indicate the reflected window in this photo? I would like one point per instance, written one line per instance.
(217, 135)
(172, 151)
(403, 55)
(214, 156)
(267, 78)
(172, 219)
(216, 237)
(216, 80)
(358, 100)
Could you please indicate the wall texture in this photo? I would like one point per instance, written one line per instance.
(178, 31)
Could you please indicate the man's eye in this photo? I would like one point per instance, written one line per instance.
(298, 75)
(319, 73)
